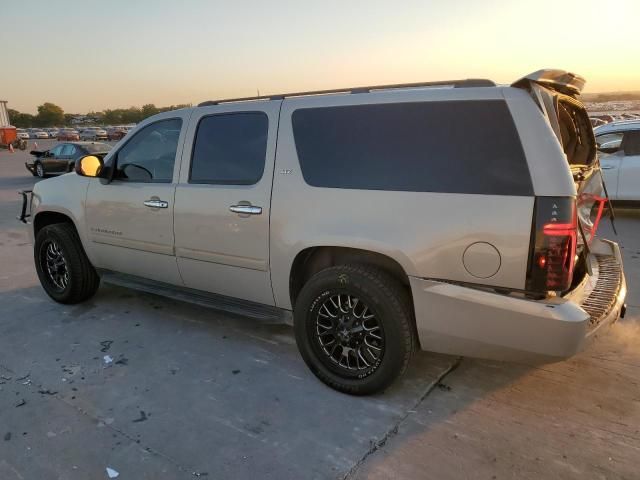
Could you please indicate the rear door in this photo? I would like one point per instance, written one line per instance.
(223, 200)
(629, 179)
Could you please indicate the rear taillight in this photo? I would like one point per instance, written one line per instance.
(553, 244)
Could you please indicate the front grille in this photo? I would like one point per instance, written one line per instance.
(601, 300)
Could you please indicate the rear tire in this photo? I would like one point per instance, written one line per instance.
(354, 328)
(62, 265)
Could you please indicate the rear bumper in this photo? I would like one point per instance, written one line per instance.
(466, 321)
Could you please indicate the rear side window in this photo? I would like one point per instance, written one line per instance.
(230, 149)
(453, 147)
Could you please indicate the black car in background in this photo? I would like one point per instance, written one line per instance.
(62, 158)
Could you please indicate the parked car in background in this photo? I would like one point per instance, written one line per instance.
(68, 135)
(388, 218)
(117, 133)
(62, 158)
(618, 144)
(93, 133)
(596, 122)
(53, 132)
(23, 134)
(40, 135)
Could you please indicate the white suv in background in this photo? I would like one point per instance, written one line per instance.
(619, 149)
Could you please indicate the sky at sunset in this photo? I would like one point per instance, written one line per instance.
(91, 55)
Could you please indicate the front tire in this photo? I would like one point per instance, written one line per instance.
(354, 328)
(39, 168)
(62, 265)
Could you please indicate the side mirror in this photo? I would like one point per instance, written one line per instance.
(89, 166)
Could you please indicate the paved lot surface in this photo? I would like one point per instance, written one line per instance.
(191, 392)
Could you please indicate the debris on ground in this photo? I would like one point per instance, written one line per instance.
(107, 359)
(443, 386)
(112, 473)
(21, 403)
(23, 377)
(106, 345)
(235, 372)
(200, 474)
(142, 418)
(71, 369)
(47, 392)
(3, 377)
(122, 361)
(7, 436)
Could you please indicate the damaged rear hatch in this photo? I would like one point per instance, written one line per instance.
(598, 264)
(557, 94)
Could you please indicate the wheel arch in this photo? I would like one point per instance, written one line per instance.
(311, 260)
(49, 217)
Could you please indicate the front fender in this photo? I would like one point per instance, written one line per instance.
(63, 195)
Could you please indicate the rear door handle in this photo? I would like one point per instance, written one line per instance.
(607, 167)
(156, 203)
(246, 209)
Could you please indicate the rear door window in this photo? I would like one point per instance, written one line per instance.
(632, 143)
(453, 147)
(230, 149)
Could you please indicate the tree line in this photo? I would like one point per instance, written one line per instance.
(51, 115)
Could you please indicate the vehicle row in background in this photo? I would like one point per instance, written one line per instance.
(71, 134)
(600, 119)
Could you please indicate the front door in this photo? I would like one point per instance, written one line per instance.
(51, 161)
(130, 219)
(223, 200)
(68, 153)
(629, 180)
(610, 152)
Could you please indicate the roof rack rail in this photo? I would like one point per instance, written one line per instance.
(467, 83)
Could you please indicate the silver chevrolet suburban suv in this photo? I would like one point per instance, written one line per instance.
(456, 217)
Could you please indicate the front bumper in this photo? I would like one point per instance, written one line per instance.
(459, 320)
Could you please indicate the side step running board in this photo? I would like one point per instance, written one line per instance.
(221, 303)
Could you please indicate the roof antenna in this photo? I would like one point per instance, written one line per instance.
(258, 90)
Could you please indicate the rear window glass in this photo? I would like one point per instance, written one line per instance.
(454, 147)
(230, 149)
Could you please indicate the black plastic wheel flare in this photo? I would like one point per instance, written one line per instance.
(349, 333)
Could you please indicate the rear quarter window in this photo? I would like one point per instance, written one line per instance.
(449, 147)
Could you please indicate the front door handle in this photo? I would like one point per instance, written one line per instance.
(246, 209)
(156, 204)
(607, 167)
